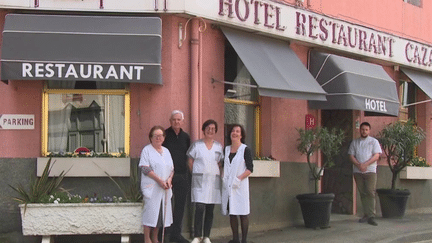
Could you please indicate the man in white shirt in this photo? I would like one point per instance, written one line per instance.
(364, 153)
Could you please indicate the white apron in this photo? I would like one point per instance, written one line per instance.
(238, 198)
(153, 194)
(206, 182)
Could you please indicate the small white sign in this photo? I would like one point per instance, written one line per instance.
(16, 121)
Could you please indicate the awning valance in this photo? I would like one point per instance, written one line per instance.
(353, 85)
(274, 66)
(86, 48)
(421, 79)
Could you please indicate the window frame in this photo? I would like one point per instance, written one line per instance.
(257, 122)
(45, 110)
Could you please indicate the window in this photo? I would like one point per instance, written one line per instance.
(414, 2)
(407, 98)
(86, 114)
(241, 99)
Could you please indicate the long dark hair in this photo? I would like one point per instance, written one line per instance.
(243, 133)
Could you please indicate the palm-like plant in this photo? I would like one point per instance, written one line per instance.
(398, 141)
(313, 140)
(39, 187)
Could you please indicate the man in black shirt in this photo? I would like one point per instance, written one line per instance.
(177, 142)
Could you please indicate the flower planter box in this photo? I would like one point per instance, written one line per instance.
(86, 167)
(81, 219)
(415, 172)
(266, 168)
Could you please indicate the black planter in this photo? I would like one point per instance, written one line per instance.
(316, 209)
(393, 202)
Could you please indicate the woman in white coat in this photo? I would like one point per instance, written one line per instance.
(157, 171)
(238, 166)
(205, 156)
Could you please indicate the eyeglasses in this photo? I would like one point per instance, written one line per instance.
(158, 136)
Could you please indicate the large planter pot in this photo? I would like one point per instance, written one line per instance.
(81, 218)
(393, 202)
(316, 209)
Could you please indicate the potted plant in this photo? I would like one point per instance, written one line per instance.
(47, 209)
(398, 141)
(316, 207)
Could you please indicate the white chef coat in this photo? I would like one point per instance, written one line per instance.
(153, 194)
(205, 172)
(237, 196)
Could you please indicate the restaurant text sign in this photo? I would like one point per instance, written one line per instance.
(17, 122)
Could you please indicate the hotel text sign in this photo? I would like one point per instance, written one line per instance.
(17, 122)
(301, 25)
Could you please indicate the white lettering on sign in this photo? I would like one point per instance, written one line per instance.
(375, 105)
(81, 71)
(16, 121)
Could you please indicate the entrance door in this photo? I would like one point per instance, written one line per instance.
(338, 179)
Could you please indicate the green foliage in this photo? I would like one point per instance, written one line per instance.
(419, 162)
(131, 191)
(327, 141)
(398, 141)
(39, 187)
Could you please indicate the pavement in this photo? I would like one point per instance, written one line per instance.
(415, 227)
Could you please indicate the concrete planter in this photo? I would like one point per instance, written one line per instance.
(415, 172)
(81, 219)
(86, 167)
(266, 168)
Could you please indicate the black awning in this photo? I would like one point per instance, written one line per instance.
(93, 48)
(274, 66)
(353, 85)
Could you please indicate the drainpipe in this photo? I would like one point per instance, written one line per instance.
(195, 80)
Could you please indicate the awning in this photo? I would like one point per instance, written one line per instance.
(87, 48)
(421, 79)
(274, 66)
(353, 85)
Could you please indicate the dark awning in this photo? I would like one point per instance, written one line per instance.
(353, 85)
(274, 66)
(421, 79)
(93, 48)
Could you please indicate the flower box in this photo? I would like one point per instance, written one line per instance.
(415, 172)
(81, 219)
(266, 168)
(86, 167)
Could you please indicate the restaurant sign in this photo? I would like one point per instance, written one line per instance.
(17, 122)
(293, 23)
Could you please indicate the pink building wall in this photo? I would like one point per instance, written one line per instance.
(21, 97)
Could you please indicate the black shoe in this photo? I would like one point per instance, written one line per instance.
(234, 241)
(371, 221)
(179, 239)
(364, 219)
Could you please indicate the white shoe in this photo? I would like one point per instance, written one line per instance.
(206, 240)
(196, 240)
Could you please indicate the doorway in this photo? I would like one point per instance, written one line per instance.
(338, 179)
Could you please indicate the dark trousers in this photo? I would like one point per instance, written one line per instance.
(200, 209)
(181, 185)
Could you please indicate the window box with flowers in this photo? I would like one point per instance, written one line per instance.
(418, 169)
(86, 166)
(266, 167)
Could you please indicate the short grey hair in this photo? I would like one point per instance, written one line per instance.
(175, 112)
